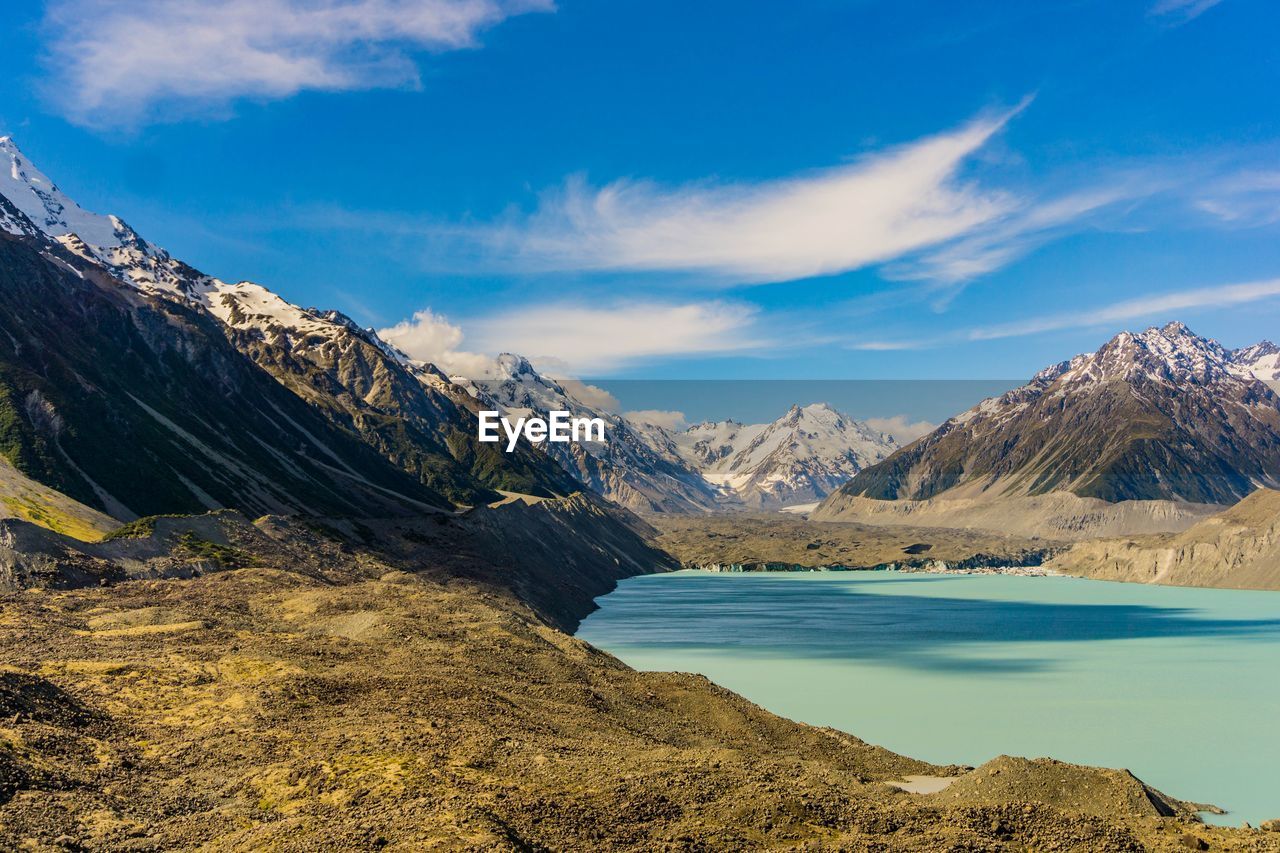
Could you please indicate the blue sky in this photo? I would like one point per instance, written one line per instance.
(810, 190)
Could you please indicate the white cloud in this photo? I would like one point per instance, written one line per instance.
(574, 340)
(838, 219)
(427, 336)
(991, 248)
(903, 430)
(887, 346)
(1247, 199)
(1132, 309)
(1181, 11)
(591, 395)
(588, 339)
(672, 421)
(114, 63)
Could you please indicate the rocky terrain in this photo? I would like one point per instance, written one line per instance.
(1053, 516)
(1237, 548)
(303, 688)
(777, 538)
(331, 620)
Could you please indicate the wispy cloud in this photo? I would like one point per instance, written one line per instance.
(887, 346)
(118, 64)
(990, 249)
(1161, 305)
(587, 339)
(580, 340)
(1181, 11)
(1246, 199)
(867, 212)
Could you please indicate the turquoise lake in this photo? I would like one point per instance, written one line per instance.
(1181, 686)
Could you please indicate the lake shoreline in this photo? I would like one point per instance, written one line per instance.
(981, 564)
(1074, 668)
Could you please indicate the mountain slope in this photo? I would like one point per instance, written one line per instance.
(135, 405)
(802, 456)
(408, 413)
(1156, 415)
(26, 499)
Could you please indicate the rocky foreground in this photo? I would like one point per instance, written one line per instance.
(307, 688)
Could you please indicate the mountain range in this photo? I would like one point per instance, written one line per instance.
(1163, 414)
(1259, 361)
(342, 392)
(137, 384)
(230, 396)
(800, 457)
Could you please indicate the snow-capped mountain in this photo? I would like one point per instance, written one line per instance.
(422, 421)
(800, 457)
(723, 465)
(637, 465)
(1160, 414)
(134, 404)
(410, 413)
(1260, 361)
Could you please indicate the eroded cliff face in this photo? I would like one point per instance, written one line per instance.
(1236, 548)
(1056, 516)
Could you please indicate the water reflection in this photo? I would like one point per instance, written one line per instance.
(839, 617)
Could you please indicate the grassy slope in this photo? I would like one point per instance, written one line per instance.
(22, 497)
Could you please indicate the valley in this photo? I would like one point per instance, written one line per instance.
(326, 693)
(263, 584)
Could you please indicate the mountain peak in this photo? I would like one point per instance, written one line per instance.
(1141, 418)
(1261, 348)
(49, 208)
(1175, 328)
(801, 456)
(1172, 353)
(1260, 361)
(512, 365)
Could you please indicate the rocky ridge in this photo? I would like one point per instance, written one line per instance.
(1159, 415)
